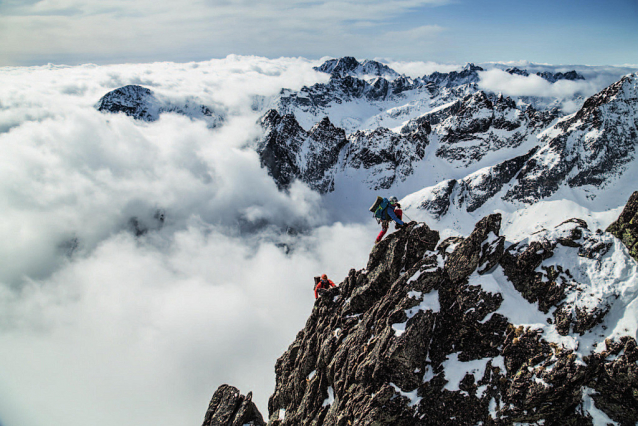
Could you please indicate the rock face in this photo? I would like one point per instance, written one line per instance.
(469, 74)
(141, 103)
(467, 332)
(626, 227)
(549, 76)
(289, 152)
(481, 124)
(229, 408)
(590, 147)
(316, 156)
(554, 77)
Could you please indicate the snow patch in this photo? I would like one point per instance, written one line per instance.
(429, 301)
(413, 398)
(456, 370)
(598, 416)
(330, 399)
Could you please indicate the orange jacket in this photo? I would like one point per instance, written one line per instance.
(323, 284)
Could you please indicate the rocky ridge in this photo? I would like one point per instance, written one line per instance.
(470, 331)
(590, 149)
(349, 66)
(391, 97)
(549, 76)
(230, 408)
(315, 156)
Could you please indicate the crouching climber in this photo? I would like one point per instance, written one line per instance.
(322, 284)
(388, 211)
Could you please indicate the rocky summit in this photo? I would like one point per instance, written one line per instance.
(474, 330)
(143, 104)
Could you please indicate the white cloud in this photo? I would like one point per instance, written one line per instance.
(70, 31)
(105, 327)
(596, 79)
(111, 337)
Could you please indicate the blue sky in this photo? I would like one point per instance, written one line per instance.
(450, 31)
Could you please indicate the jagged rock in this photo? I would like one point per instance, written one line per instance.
(482, 123)
(554, 77)
(388, 156)
(469, 74)
(626, 227)
(482, 248)
(349, 66)
(479, 187)
(314, 157)
(421, 336)
(549, 76)
(590, 147)
(289, 152)
(517, 71)
(229, 407)
(436, 200)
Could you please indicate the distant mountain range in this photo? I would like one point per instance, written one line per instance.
(440, 137)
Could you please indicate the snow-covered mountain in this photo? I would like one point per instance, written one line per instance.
(471, 148)
(349, 66)
(142, 103)
(441, 142)
(316, 156)
(590, 151)
(367, 95)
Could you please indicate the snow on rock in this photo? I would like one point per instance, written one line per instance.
(456, 370)
(625, 227)
(541, 331)
(315, 156)
(289, 152)
(349, 66)
(591, 147)
(143, 104)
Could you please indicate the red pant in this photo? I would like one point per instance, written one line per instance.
(386, 223)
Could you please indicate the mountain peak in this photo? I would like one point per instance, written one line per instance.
(349, 66)
(141, 103)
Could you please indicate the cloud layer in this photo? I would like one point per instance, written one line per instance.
(144, 264)
(106, 327)
(596, 78)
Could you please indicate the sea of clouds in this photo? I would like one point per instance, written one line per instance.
(106, 327)
(142, 265)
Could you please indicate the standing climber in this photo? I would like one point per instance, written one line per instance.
(323, 284)
(389, 210)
